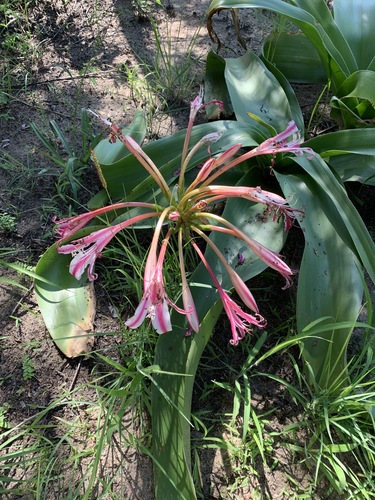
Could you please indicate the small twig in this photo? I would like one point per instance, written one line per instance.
(75, 375)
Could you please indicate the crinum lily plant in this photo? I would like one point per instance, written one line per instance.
(186, 215)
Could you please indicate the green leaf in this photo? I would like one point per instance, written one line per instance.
(314, 20)
(355, 20)
(295, 108)
(341, 212)
(351, 153)
(170, 429)
(295, 56)
(216, 88)
(329, 283)
(254, 89)
(67, 304)
(354, 103)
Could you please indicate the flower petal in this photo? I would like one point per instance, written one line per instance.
(160, 317)
(140, 313)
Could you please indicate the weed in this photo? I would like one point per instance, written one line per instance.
(4, 423)
(143, 8)
(175, 74)
(7, 222)
(18, 53)
(28, 368)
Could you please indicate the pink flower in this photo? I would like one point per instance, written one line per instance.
(240, 321)
(187, 297)
(242, 290)
(154, 302)
(213, 163)
(86, 250)
(65, 228)
(195, 106)
(272, 259)
(275, 202)
(273, 145)
(239, 285)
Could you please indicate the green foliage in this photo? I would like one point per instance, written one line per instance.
(74, 166)
(144, 8)
(330, 284)
(7, 222)
(314, 184)
(28, 368)
(4, 408)
(172, 376)
(16, 50)
(331, 47)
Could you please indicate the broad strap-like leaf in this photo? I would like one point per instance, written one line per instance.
(314, 20)
(355, 19)
(351, 153)
(215, 87)
(254, 90)
(340, 211)
(67, 305)
(295, 56)
(329, 283)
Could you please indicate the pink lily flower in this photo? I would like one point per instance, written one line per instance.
(279, 144)
(187, 297)
(239, 285)
(255, 194)
(213, 163)
(272, 259)
(240, 321)
(154, 303)
(65, 228)
(273, 145)
(86, 250)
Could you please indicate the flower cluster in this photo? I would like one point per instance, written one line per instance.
(186, 213)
